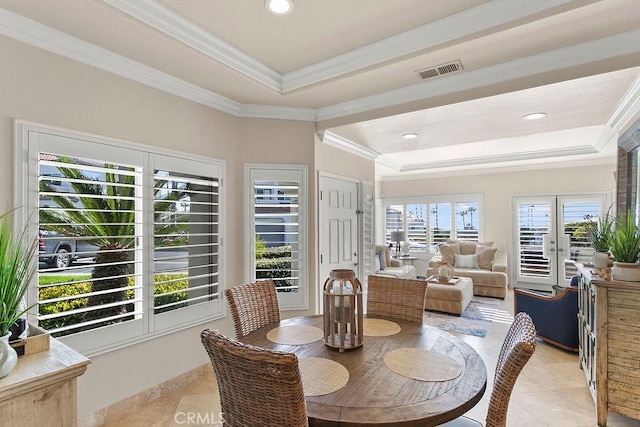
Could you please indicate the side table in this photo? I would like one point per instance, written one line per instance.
(407, 260)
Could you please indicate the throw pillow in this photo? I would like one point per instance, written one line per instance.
(486, 256)
(468, 247)
(466, 261)
(380, 261)
(448, 251)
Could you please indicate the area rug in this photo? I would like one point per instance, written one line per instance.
(475, 319)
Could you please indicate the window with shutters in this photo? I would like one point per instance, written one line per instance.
(278, 224)
(429, 222)
(129, 238)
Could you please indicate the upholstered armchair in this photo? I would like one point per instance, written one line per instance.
(386, 253)
(387, 266)
(555, 317)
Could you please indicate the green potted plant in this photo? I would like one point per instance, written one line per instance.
(17, 267)
(625, 247)
(600, 233)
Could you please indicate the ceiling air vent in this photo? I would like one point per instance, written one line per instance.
(439, 70)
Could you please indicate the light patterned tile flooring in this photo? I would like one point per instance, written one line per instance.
(551, 390)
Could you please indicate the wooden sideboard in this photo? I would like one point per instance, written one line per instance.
(609, 321)
(41, 389)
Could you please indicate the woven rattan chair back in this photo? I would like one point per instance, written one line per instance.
(258, 387)
(517, 349)
(398, 298)
(253, 306)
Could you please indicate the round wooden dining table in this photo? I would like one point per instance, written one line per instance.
(375, 395)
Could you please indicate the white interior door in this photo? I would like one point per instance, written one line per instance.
(338, 229)
(550, 236)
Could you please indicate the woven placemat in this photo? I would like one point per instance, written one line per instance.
(421, 364)
(321, 376)
(295, 334)
(380, 327)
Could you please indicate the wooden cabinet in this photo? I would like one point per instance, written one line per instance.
(41, 390)
(609, 316)
(586, 330)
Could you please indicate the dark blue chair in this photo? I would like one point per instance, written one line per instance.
(555, 317)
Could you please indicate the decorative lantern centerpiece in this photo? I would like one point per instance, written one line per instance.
(343, 310)
(444, 271)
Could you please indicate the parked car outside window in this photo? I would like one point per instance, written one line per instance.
(59, 251)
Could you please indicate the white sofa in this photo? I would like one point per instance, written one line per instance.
(389, 267)
(489, 277)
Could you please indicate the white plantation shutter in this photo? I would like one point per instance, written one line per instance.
(416, 225)
(186, 236)
(440, 222)
(109, 197)
(431, 223)
(467, 221)
(534, 222)
(277, 220)
(575, 219)
(162, 209)
(368, 232)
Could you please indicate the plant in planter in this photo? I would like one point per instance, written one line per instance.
(17, 267)
(600, 233)
(625, 247)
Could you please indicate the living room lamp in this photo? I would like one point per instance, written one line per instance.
(398, 236)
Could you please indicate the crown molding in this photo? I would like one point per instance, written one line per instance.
(276, 112)
(338, 141)
(482, 18)
(493, 169)
(627, 108)
(36, 34)
(626, 111)
(583, 53)
(500, 158)
(167, 21)
(348, 145)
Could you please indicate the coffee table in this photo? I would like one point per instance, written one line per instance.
(449, 297)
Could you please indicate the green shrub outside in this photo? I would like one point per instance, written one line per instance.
(274, 263)
(271, 263)
(84, 287)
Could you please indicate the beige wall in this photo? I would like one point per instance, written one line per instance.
(334, 161)
(45, 88)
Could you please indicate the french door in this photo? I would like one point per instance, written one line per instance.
(550, 236)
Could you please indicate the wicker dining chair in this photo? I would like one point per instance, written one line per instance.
(258, 387)
(517, 349)
(253, 306)
(397, 298)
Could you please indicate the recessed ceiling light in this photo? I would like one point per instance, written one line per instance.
(410, 135)
(279, 7)
(534, 116)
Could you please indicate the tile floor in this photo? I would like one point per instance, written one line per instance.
(551, 391)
